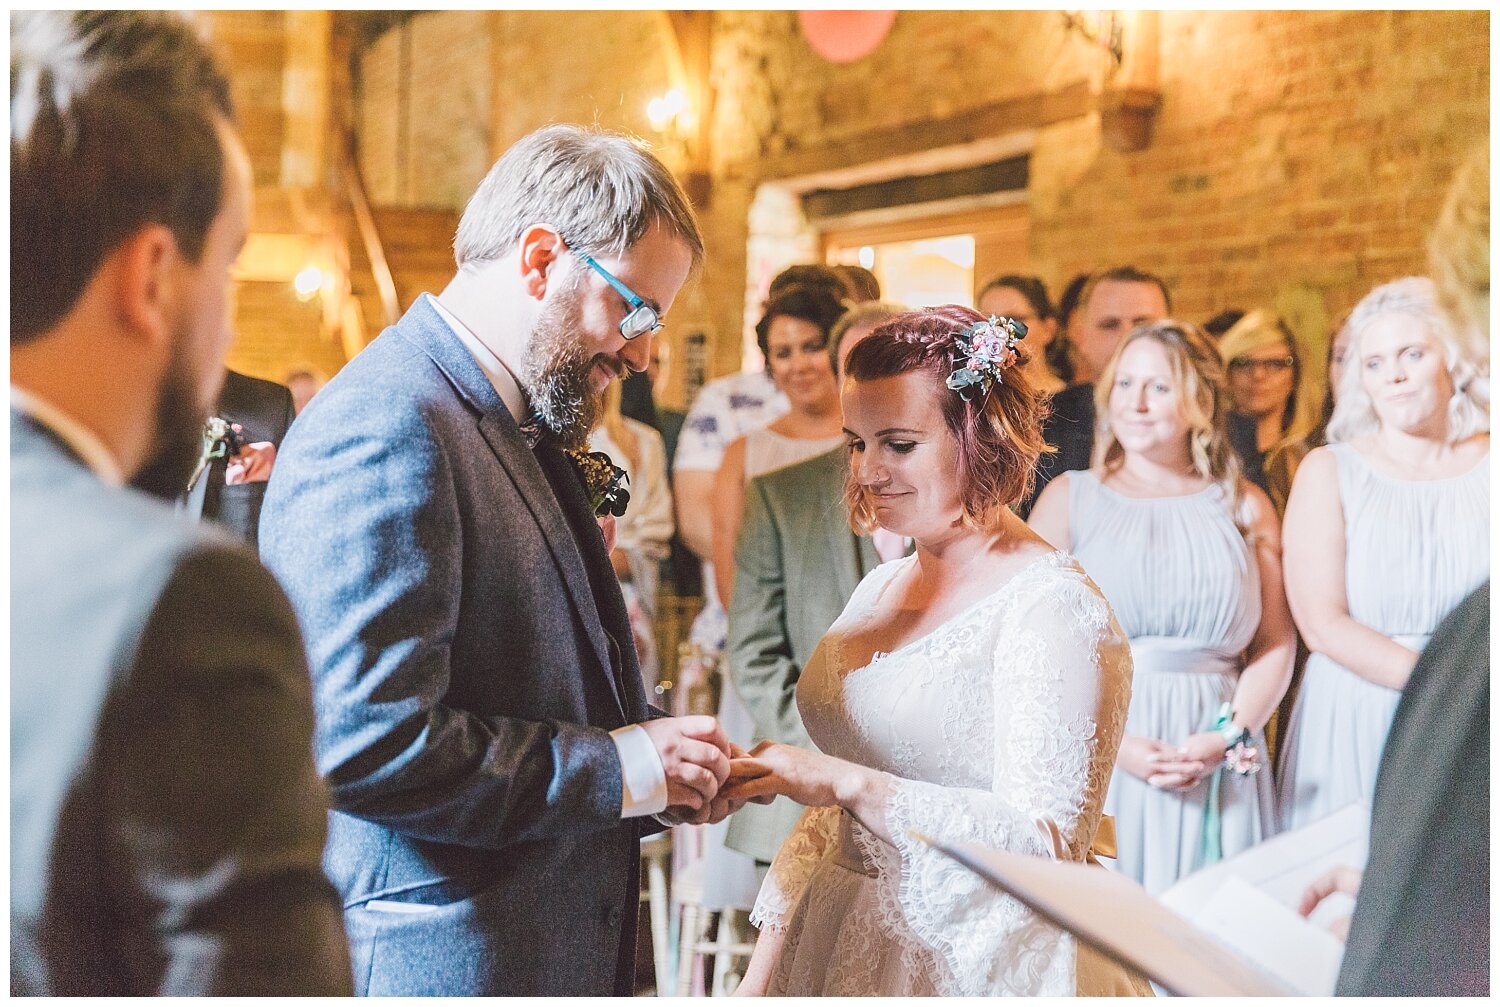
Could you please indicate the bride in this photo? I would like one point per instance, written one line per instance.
(971, 691)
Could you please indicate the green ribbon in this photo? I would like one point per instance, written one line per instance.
(1212, 846)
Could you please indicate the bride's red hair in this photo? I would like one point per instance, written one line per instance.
(999, 434)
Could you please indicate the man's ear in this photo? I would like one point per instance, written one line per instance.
(541, 247)
(147, 283)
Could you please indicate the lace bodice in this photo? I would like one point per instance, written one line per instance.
(1011, 710)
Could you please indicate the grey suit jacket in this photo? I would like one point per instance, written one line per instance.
(796, 564)
(166, 821)
(1421, 924)
(470, 653)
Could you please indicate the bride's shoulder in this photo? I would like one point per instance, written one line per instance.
(1056, 584)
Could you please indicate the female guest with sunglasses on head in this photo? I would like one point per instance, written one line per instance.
(1268, 384)
(1189, 555)
(1389, 527)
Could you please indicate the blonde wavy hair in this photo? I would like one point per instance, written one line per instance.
(1459, 251)
(1413, 298)
(1202, 397)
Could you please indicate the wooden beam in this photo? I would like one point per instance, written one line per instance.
(1014, 115)
(687, 41)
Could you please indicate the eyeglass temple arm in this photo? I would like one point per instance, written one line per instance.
(630, 296)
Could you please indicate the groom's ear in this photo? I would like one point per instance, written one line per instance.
(541, 248)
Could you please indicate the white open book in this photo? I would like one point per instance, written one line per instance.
(1228, 930)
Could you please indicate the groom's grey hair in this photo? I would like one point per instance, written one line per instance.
(602, 191)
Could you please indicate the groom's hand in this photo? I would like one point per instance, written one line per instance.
(695, 754)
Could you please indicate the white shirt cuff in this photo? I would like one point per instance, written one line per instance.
(645, 780)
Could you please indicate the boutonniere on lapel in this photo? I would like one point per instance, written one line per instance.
(605, 481)
(220, 440)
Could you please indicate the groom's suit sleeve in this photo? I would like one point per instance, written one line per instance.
(363, 527)
(759, 647)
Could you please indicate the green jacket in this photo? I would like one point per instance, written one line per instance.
(796, 563)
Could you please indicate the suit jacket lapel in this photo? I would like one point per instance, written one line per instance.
(428, 331)
(608, 600)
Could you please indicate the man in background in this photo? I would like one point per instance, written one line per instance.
(166, 821)
(231, 487)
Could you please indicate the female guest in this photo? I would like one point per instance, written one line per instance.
(1281, 461)
(1389, 526)
(793, 335)
(1189, 555)
(1049, 364)
(1268, 384)
(642, 534)
(967, 691)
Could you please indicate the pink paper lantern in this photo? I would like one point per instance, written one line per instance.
(843, 36)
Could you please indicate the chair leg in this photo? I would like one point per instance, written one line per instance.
(656, 876)
(687, 938)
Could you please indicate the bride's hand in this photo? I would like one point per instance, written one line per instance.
(812, 779)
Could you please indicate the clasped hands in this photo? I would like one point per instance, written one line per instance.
(1172, 767)
(710, 777)
(697, 757)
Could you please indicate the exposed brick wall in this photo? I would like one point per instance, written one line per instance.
(252, 45)
(275, 332)
(1308, 148)
(1295, 152)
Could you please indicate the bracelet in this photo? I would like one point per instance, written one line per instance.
(1240, 755)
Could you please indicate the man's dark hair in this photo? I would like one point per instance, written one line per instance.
(1223, 322)
(1125, 274)
(112, 127)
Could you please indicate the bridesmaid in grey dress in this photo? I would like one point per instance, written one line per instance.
(1189, 556)
(1389, 525)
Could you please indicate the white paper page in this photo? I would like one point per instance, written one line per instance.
(1272, 936)
(1285, 865)
(1116, 915)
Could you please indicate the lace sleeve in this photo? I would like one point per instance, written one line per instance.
(793, 867)
(1061, 678)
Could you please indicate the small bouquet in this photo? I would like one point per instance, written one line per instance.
(221, 439)
(605, 480)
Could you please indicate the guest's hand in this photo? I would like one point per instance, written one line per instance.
(1339, 879)
(1158, 763)
(610, 531)
(252, 465)
(1207, 748)
(695, 754)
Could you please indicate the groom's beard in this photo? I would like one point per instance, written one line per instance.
(179, 433)
(556, 374)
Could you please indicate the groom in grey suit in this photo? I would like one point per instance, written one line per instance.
(166, 822)
(480, 713)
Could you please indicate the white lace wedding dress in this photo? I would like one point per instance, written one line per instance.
(1011, 710)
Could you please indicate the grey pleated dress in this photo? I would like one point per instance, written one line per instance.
(1185, 587)
(1412, 551)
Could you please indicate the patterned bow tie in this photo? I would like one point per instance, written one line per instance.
(531, 429)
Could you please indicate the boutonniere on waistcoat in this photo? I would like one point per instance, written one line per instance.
(605, 480)
(221, 439)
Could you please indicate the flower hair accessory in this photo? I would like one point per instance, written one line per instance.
(984, 350)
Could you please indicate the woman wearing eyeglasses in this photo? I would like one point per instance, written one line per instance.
(1269, 385)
